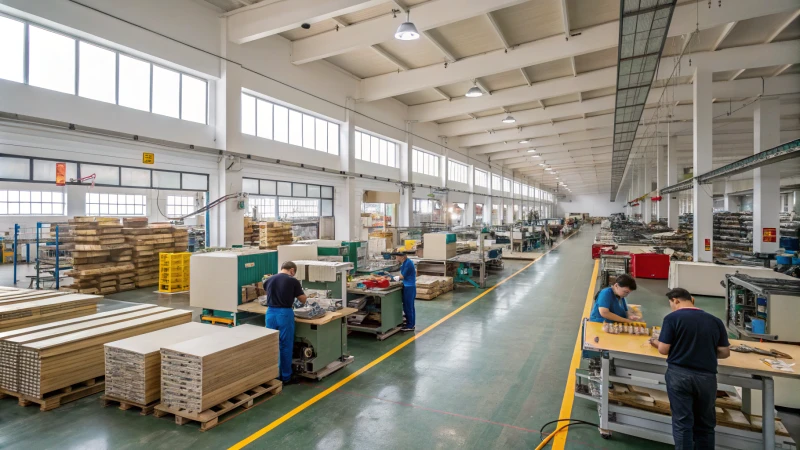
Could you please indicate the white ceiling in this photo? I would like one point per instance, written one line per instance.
(561, 91)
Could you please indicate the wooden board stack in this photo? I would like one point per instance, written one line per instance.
(429, 287)
(60, 362)
(26, 295)
(133, 365)
(273, 234)
(35, 312)
(147, 242)
(101, 258)
(204, 372)
(12, 341)
(251, 232)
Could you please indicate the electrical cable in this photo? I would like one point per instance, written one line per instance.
(572, 422)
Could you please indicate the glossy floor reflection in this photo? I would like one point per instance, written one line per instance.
(488, 377)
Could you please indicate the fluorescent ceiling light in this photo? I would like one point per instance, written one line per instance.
(541, 164)
(407, 31)
(548, 168)
(536, 156)
(524, 141)
(509, 119)
(531, 151)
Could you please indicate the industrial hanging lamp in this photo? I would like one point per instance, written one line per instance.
(509, 119)
(474, 91)
(407, 31)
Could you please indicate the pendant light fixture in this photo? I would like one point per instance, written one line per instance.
(532, 151)
(524, 141)
(474, 91)
(509, 119)
(407, 31)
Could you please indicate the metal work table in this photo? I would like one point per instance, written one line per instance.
(635, 362)
(325, 336)
(389, 302)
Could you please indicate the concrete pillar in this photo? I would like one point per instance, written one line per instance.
(648, 185)
(794, 202)
(406, 197)
(348, 215)
(231, 218)
(672, 178)
(661, 175)
(703, 204)
(767, 179)
(469, 214)
(733, 203)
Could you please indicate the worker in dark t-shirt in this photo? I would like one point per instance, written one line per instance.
(693, 340)
(282, 289)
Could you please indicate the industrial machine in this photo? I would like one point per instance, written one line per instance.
(763, 308)
(216, 280)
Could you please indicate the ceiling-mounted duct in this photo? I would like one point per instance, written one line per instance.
(642, 33)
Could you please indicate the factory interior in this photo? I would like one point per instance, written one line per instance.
(399, 224)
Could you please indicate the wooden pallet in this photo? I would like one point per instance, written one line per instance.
(125, 405)
(53, 400)
(230, 408)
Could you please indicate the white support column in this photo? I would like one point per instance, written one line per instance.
(348, 218)
(648, 184)
(733, 203)
(672, 178)
(469, 214)
(795, 202)
(767, 179)
(406, 197)
(703, 141)
(662, 180)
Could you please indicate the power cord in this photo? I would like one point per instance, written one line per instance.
(546, 440)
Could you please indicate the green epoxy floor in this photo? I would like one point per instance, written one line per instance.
(488, 377)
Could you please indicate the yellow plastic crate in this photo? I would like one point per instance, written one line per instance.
(173, 271)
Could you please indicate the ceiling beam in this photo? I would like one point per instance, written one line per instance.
(592, 39)
(483, 86)
(781, 70)
(737, 58)
(603, 78)
(449, 57)
(498, 31)
(789, 19)
(721, 89)
(260, 21)
(736, 75)
(725, 32)
(441, 92)
(565, 17)
(526, 77)
(425, 16)
(389, 57)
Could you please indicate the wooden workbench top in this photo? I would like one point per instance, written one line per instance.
(379, 292)
(638, 345)
(256, 308)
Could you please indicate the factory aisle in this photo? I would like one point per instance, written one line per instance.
(486, 377)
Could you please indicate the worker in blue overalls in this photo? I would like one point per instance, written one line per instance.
(409, 276)
(282, 289)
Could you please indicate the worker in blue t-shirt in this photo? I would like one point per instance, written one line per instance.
(282, 289)
(693, 340)
(409, 276)
(610, 304)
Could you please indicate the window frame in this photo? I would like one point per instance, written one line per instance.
(31, 202)
(359, 155)
(182, 210)
(424, 164)
(88, 203)
(76, 89)
(303, 117)
(457, 171)
(484, 176)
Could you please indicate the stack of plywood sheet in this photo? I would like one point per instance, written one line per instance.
(101, 258)
(204, 372)
(26, 295)
(251, 232)
(52, 364)
(133, 365)
(429, 287)
(273, 234)
(180, 237)
(35, 312)
(146, 243)
(12, 341)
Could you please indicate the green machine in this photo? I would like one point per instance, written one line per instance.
(387, 303)
(349, 251)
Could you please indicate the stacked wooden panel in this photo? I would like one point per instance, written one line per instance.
(26, 314)
(273, 234)
(133, 365)
(26, 295)
(429, 287)
(204, 372)
(101, 258)
(147, 242)
(60, 362)
(12, 342)
(251, 232)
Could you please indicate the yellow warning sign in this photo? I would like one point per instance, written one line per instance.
(148, 158)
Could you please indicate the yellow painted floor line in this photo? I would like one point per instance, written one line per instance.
(250, 439)
(569, 392)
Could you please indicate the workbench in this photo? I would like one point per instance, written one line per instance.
(389, 302)
(631, 360)
(320, 344)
